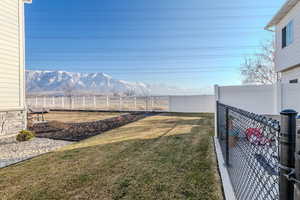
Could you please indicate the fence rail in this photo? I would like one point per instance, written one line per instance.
(157, 103)
(188, 103)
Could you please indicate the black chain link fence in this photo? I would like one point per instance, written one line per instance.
(249, 144)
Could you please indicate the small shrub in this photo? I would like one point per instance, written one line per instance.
(25, 136)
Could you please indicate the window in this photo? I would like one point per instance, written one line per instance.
(284, 37)
(294, 81)
(288, 34)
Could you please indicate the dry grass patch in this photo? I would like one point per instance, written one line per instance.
(161, 157)
(77, 117)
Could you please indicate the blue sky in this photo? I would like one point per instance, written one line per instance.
(191, 43)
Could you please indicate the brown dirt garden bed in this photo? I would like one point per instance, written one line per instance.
(78, 131)
(79, 116)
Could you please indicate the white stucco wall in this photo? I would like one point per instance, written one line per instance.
(11, 55)
(290, 55)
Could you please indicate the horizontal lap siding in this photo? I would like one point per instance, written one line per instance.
(290, 55)
(9, 54)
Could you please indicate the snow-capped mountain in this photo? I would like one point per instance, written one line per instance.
(60, 82)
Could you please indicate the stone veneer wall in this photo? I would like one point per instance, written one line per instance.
(11, 122)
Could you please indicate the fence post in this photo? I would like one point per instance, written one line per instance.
(217, 120)
(135, 105)
(95, 105)
(107, 102)
(72, 102)
(83, 101)
(297, 167)
(63, 102)
(152, 103)
(53, 101)
(227, 137)
(217, 94)
(287, 153)
(36, 101)
(44, 102)
(120, 104)
(278, 97)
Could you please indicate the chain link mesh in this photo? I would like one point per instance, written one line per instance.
(249, 142)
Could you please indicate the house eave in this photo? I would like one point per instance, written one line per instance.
(284, 10)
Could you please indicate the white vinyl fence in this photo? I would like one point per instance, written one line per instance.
(192, 104)
(263, 99)
(266, 99)
(187, 104)
(290, 97)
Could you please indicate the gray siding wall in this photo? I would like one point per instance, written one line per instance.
(289, 56)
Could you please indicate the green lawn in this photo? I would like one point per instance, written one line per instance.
(160, 157)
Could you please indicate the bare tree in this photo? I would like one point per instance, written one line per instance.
(260, 67)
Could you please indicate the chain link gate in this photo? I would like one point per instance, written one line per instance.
(249, 144)
(262, 157)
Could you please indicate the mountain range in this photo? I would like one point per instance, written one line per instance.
(62, 82)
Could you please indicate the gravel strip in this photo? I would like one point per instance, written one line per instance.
(12, 152)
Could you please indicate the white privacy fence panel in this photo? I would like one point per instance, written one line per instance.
(257, 99)
(188, 104)
(192, 104)
(268, 99)
(290, 96)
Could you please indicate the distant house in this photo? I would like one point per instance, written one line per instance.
(286, 24)
(12, 92)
